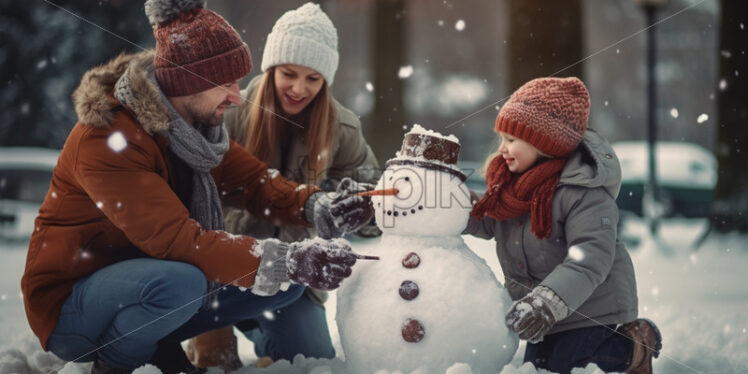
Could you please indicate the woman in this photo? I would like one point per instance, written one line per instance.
(290, 120)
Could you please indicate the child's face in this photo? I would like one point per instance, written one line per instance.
(519, 154)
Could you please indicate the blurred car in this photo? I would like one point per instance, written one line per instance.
(25, 174)
(686, 177)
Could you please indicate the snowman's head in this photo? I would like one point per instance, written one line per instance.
(428, 202)
(431, 198)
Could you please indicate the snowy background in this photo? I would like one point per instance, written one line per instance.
(698, 298)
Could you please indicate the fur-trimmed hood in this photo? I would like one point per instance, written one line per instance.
(93, 98)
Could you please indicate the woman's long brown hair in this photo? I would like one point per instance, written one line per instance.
(265, 127)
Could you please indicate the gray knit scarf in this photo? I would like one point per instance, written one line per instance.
(202, 148)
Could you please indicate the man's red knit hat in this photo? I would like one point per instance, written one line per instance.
(196, 49)
(549, 113)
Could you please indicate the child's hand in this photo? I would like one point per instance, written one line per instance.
(535, 314)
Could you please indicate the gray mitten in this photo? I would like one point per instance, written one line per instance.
(336, 213)
(317, 263)
(535, 314)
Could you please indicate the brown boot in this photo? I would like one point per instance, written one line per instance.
(263, 362)
(647, 344)
(215, 348)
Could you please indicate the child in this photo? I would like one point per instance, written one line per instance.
(550, 205)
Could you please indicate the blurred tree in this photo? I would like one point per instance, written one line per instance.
(388, 116)
(44, 52)
(731, 195)
(545, 38)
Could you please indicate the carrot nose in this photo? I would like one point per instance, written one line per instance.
(384, 192)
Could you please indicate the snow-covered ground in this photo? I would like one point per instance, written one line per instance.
(699, 299)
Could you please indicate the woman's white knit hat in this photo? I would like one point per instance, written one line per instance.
(303, 36)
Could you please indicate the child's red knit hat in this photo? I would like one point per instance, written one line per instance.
(549, 113)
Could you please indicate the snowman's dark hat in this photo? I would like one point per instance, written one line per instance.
(429, 152)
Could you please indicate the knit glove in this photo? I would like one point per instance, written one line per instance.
(339, 212)
(535, 314)
(317, 263)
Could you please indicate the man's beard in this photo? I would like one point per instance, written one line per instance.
(209, 118)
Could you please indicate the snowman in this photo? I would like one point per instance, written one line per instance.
(429, 302)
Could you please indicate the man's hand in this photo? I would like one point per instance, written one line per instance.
(342, 211)
(320, 264)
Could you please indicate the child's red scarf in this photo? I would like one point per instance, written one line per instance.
(511, 195)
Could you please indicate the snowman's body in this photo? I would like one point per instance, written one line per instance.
(429, 302)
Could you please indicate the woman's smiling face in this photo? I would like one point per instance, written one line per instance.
(296, 86)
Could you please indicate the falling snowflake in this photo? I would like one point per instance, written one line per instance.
(674, 113)
(576, 254)
(267, 212)
(655, 291)
(702, 118)
(369, 87)
(99, 204)
(606, 103)
(722, 84)
(268, 315)
(460, 25)
(440, 23)
(405, 72)
(54, 194)
(41, 64)
(116, 141)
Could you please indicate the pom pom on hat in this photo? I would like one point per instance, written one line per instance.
(162, 11)
(303, 36)
(549, 113)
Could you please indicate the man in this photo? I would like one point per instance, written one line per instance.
(130, 233)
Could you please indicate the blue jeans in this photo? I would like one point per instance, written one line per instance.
(300, 327)
(560, 352)
(123, 311)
